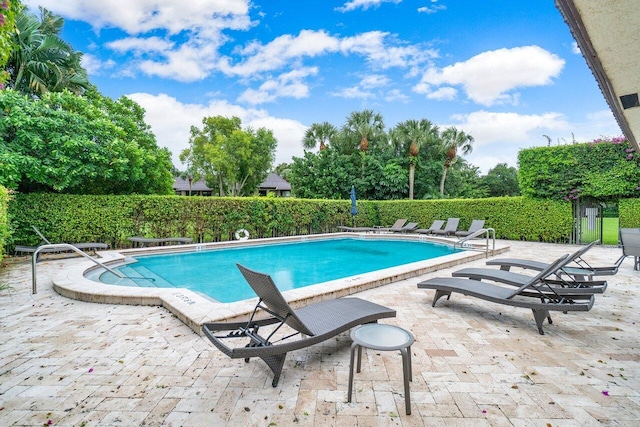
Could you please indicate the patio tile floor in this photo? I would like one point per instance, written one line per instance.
(68, 362)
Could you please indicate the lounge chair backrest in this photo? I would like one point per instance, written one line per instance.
(266, 289)
(41, 235)
(553, 267)
(437, 224)
(452, 224)
(476, 225)
(410, 226)
(630, 241)
(399, 223)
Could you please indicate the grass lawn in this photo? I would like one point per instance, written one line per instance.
(609, 231)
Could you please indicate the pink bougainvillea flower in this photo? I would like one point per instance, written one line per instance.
(90, 370)
(484, 411)
(605, 392)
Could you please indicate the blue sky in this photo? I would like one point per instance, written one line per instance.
(507, 72)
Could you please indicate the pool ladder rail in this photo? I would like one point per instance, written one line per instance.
(34, 260)
(489, 233)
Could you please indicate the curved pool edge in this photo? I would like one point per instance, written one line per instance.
(194, 309)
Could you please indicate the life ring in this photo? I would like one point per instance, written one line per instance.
(242, 234)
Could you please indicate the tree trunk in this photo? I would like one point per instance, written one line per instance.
(412, 170)
(444, 176)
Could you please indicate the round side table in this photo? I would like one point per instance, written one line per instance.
(377, 336)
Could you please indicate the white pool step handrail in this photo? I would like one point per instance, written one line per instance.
(34, 260)
(489, 232)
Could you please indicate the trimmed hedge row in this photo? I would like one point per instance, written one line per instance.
(629, 211)
(513, 218)
(4, 219)
(111, 219)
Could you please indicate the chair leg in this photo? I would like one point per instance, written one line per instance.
(275, 363)
(439, 294)
(540, 314)
(353, 351)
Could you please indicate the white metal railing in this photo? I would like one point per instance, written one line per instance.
(489, 233)
(34, 260)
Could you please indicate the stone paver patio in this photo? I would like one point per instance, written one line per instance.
(72, 363)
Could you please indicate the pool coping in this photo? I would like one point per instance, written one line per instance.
(194, 309)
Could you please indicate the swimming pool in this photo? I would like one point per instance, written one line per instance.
(73, 278)
(292, 265)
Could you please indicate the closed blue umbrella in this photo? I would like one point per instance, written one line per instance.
(354, 209)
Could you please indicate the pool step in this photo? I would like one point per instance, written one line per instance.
(135, 278)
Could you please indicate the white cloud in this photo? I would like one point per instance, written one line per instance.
(289, 85)
(395, 95)
(352, 93)
(140, 45)
(363, 4)
(488, 127)
(198, 24)
(373, 81)
(279, 52)
(488, 78)
(575, 48)
(171, 120)
(383, 51)
(443, 93)
(141, 16)
(431, 10)
(94, 65)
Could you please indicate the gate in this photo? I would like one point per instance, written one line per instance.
(587, 222)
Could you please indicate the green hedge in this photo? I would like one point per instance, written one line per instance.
(603, 170)
(4, 219)
(629, 211)
(513, 218)
(111, 219)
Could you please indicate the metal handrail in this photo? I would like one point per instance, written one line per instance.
(34, 260)
(489, 232)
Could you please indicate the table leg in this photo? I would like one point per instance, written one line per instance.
(353, 351)
(359, 358)
(406, 369)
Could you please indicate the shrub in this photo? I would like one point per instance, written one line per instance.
(4, 219)
(603, 170)
(629, 210)
(111, 219)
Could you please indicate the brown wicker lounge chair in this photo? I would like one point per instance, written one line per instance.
(437, 225)
(526, 296)
(314, 323)
(450, 227)
(83, 246)
(561, 279)
(476, 225)
(580, 267)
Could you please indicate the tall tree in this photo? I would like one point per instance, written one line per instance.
(413, 134)
(41, 61)
(502, 180)
(452, 141)
(90, 144)
(9, 10)
(365, 127)
(319, 134)
(233, 159)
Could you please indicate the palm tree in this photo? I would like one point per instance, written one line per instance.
(452, 140)
(414, 134)
(319, 134)
(41, 61)
(366, 125)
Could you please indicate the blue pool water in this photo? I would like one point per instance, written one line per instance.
(291, 265)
